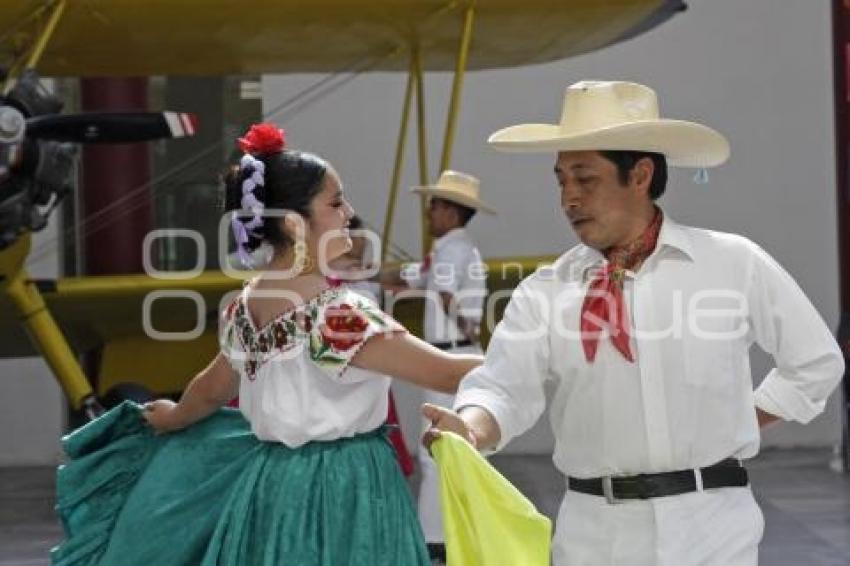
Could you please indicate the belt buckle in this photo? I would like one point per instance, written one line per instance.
(608, 491)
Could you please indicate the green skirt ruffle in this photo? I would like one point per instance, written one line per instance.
(215, 494)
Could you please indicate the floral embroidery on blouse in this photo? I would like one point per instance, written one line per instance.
(333, 327)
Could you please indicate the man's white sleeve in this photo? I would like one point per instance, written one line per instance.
(411, 273)
(509, 385)
(809, 363)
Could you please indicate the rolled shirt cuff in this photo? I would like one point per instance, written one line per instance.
(777, 396)
(498, 409)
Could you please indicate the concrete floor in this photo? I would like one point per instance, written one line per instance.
(806, 507)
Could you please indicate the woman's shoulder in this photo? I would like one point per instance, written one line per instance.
(345, 321)
(330, 328)
(253, 343)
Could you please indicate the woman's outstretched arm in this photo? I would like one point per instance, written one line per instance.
(214, 386)
(410, 359)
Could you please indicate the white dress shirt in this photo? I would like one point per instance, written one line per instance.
(696, 306)
(455, 267)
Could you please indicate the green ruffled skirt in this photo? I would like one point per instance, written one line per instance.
(215, 494)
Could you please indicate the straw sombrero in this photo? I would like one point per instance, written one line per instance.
(617, 116)
(456, 187)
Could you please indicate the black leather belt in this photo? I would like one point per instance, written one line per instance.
(727, 473)
(452, 345)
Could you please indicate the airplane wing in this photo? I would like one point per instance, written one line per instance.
(93, 310)
(222, 37)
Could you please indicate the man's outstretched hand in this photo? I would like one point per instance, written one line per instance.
(444, 419)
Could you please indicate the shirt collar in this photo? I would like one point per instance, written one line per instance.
(672, 235)
(453, 234)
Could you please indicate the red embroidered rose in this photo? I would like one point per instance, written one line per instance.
(344, 327)
(263, 138)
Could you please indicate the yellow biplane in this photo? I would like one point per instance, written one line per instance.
(97, 38)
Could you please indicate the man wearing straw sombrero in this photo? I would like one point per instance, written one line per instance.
(644, 330)
(453, 279)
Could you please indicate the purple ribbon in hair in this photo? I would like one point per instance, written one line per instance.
(242, 231)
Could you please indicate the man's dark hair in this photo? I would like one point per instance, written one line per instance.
(626, 160)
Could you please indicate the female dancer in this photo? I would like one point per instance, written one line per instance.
(304, 475)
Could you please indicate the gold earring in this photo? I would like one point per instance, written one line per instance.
(303, 262)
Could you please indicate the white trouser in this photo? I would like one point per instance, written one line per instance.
(718, 527)
(430, 513)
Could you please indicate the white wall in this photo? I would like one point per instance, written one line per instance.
(758, 71)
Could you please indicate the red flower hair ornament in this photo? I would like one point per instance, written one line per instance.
(263, 138)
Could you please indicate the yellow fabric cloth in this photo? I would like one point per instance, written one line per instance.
(487, 521)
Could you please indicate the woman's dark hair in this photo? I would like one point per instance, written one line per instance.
(355, 223)
(292, 179)
(626, 160)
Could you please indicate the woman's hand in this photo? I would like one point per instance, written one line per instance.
(162, 415)
(206, 393)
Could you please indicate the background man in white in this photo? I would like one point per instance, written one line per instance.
(454, 279)
(645, 329)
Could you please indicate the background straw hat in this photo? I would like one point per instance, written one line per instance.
(456, 187)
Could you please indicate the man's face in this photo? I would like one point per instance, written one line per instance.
(442, 217)
(602, 211)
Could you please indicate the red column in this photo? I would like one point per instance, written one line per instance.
(116, 203)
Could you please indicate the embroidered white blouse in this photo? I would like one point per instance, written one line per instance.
(296, 381)
(696, 305)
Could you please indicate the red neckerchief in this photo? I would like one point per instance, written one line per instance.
(426, 263)
(605, 294)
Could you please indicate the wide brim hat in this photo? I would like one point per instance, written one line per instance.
(457, 187)
(617, 115)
